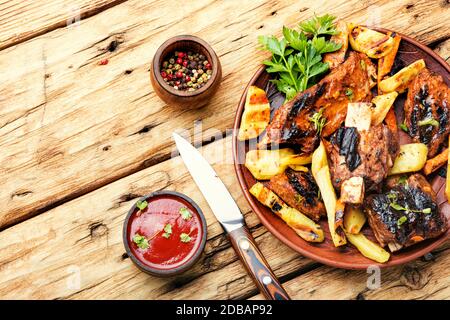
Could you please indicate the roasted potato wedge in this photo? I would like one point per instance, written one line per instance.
(412, 157)
(336, 58)
(391, 121)
(323, 180)
(319, 160)
(297, 167)
(385, 63)
(354, 219)
(382, 105)
(359, 115)
(256, 114)
(367, 248)
(435, 163)
(301, 224)
(373, 43)
(264, 164)
(400, 81)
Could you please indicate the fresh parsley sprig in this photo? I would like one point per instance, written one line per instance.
(297, 57)
(323, 25)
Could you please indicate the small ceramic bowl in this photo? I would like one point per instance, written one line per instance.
(183, 98)
(194, 253)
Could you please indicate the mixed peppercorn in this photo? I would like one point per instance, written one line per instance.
(186, 70)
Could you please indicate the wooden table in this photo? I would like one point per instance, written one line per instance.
(80, 142)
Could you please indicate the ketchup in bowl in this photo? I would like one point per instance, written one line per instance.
(164, 233)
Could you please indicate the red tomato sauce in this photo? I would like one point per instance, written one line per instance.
(165, 252)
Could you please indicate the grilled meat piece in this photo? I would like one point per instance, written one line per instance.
(428, 98)
(298, 190)
(406, 214)
(350, 81)
(367, 154)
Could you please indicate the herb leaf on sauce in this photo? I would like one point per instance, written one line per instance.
(185, 213)
(185, 238)
(140, 241)
(141, 204)
(167, 231)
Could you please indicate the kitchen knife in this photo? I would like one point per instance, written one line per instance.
(230, 217)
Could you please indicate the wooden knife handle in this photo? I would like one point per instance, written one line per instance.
(256, 264)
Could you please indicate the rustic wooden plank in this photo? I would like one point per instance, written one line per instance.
(22, 20)
(443, 49)
(94, 124)
(420, 279)
(39, 256)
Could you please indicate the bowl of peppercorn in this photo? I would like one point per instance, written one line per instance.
(185, 72)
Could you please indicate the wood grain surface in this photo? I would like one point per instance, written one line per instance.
(80, 142)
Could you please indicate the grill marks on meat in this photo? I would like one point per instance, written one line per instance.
(298, 190)
(387, 222)
(291, 123)
(428, 98)
(347, 139)
(367, 154)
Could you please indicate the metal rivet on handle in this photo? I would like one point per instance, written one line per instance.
(244, 244)
(267, 280)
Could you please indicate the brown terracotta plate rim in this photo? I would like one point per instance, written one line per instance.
(432, 243)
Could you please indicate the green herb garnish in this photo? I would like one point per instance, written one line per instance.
(297, 57)
(184, 237)
(349, 93)
(428, 121)
(397, 207)
(298, 198)
(393, 203)
(140, 241)
(401, 220)
(363, 64)
(323, 25)
(185, 213)
(403, 126)
(319, 121)
(403, 180)
(167, 231)
(141, 204)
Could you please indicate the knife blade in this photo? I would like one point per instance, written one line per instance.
(230, 217)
